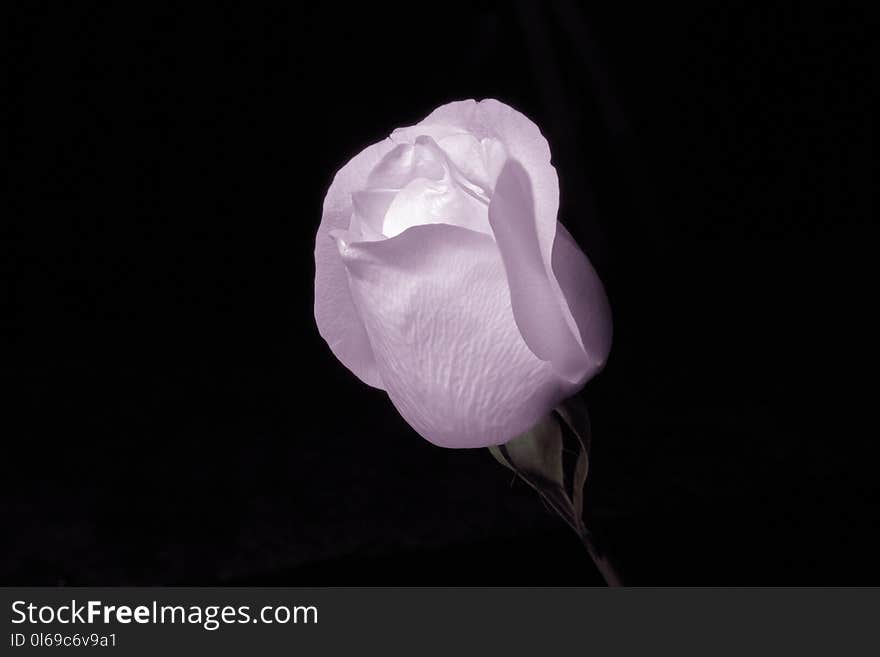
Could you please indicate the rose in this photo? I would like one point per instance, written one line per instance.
(443, 277)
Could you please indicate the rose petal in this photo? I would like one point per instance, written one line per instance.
(522, 141)
(436, 306)
(337, 319)
(405, 163)
(434, 202)
(370, 206)
(538, 309)
(418, 184)
(586, 298)
(479, 160)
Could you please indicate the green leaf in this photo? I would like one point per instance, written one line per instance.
(537, 458)
(537, 452)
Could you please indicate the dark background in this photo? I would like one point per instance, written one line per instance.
(176, 418)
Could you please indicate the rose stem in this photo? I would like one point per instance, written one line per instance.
(605, 568)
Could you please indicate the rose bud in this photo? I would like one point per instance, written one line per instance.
(443, 277)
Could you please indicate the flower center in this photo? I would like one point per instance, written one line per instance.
(429, 183)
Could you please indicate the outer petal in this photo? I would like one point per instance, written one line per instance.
(586, 298)
(538, 309)
(337, 318)
(436, 307)
(524, 143)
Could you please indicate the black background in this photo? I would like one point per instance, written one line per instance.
(176, 418)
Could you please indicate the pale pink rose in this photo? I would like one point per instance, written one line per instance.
(443, 277)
